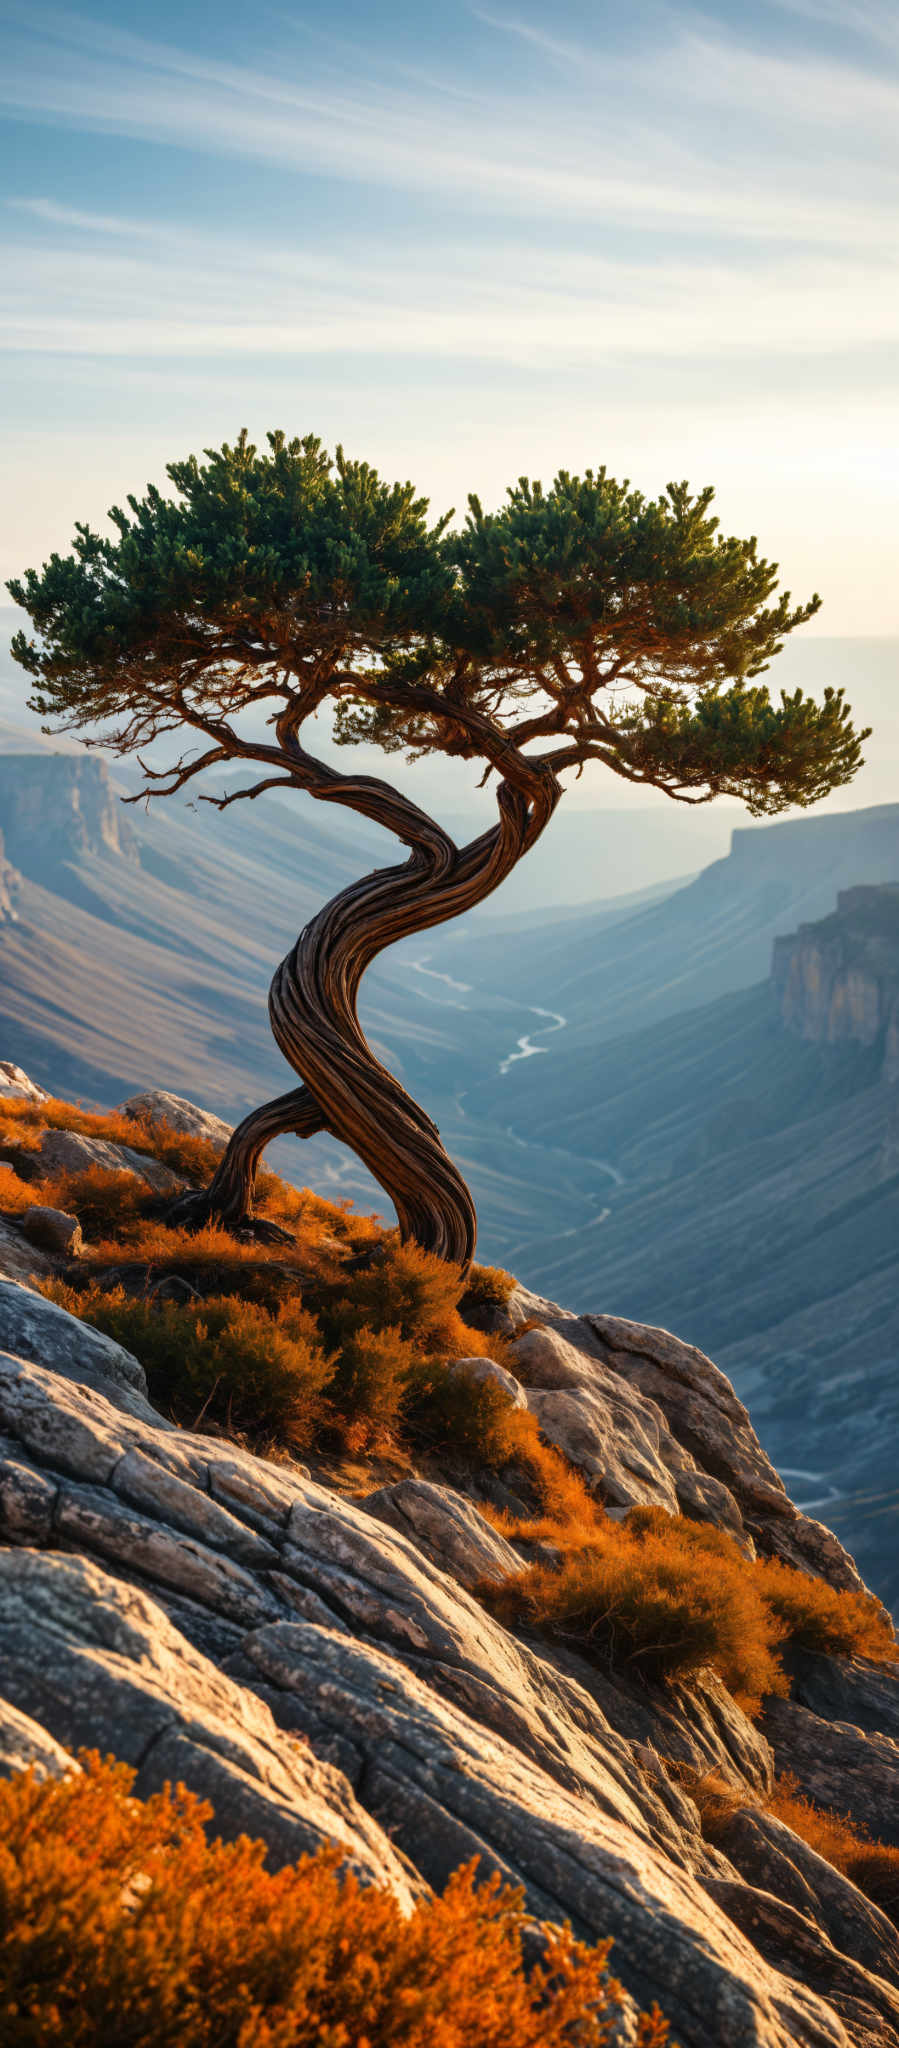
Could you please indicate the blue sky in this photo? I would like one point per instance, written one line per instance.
(469, 241)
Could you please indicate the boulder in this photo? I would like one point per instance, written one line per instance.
(35, 1328)
(20, 1260)
(156, 1105)
(703, 1417)
(25, 1745)
(446, 1528)
(483, 1369)
(838, 1766)
(71, 1152)
(616, 1437)
(15, 1084)
(54, 1231)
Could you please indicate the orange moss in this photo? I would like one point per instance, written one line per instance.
(123, 1922)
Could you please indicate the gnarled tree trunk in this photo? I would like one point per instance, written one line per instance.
(312, 1005)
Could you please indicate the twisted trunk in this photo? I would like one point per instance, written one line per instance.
(312, 1006)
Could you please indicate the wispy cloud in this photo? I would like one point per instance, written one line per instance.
(171, 292)
(593, 161)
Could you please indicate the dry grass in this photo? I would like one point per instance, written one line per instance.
(123, 1923)
(870, 1865)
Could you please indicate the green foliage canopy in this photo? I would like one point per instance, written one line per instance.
(584, 622)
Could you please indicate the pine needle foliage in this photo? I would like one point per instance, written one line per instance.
(126, 1927)
(581, 621)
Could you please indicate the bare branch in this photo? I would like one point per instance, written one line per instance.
(221, 803)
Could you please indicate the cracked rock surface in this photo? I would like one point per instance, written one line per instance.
(317, 1668)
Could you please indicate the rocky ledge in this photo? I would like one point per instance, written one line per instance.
(318, 1668)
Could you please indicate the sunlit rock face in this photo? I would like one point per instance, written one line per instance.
(58, 810)
(8, 890)
(838, 980)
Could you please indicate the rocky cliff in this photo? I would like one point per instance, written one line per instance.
(9, 880)
(56, 810)
(317, 1656)
(838, 980)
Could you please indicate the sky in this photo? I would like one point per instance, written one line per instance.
(469, 242)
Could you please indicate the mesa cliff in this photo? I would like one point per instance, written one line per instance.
(357, 1642)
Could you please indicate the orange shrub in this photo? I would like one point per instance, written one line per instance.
(16, 1195)
(816, 1615)
(399, 1287)
(656, 1601)
(231, 1361)
(372, 1369)
(666, 1595)
(123, 1924)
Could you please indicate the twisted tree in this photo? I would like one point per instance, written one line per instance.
(584, 623)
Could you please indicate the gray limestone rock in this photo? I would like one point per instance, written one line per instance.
(20, 1260)
(838, 1766)
(446, 1528)
(85, 1655)
(15, 1084)
(617, 1438)
(33, 1327)
(70, 1152)
(849, 1689)
(774, 1860)
(25, 1745)
(702, 1416)
(157, 1105)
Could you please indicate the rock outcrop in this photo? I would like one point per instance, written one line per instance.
(57, 808)
(319, 1667)
(839, 979)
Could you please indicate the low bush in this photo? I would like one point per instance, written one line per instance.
(655, 1601)
(123, 1923)
(16, 1195)
(223, 1359)
(665, 1595)
(397, 1287)
(486, 1287)
(818, 1617)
